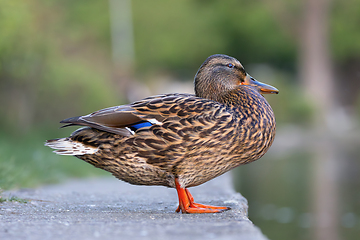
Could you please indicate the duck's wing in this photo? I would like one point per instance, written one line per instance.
(113, 119)
(188, 127)
(124, 119)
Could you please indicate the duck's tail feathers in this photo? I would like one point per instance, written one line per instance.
(66, 146)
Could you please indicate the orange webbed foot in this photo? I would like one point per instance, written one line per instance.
(187, 204)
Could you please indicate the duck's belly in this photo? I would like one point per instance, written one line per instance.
(196, 171)
(130, 169)
(191, 169)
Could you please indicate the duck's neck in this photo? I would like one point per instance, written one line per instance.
(242, 96)
(207, 87)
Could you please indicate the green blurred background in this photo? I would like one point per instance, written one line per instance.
(65, 58)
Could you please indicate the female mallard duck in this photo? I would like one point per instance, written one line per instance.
(180, 140)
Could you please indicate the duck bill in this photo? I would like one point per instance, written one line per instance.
(262, 87)
(267, 89)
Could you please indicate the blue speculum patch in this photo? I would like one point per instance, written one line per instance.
(140, 125)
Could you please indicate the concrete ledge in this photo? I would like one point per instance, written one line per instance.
(111, 209)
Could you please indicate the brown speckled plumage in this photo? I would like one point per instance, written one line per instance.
(191, 139)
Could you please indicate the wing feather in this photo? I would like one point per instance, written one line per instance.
(154, 109)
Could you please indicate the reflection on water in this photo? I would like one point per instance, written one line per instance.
(279, 188)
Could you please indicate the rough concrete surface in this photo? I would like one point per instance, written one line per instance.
(107, 208)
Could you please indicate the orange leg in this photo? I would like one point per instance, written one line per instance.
(187, 205)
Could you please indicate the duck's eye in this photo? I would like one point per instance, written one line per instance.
(229, 65)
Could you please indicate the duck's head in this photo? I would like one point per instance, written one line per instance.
(220, 74)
